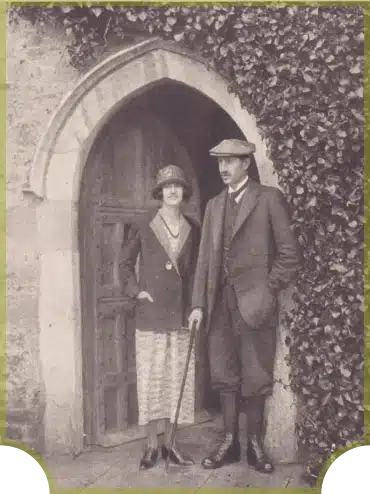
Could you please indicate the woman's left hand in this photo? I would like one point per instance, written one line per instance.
(145, 295)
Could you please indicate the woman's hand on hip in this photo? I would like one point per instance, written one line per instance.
(145, 295)
(196, 317)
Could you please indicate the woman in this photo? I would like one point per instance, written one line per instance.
(168, 247)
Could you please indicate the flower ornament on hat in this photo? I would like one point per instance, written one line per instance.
(233, 147)
(171, 174)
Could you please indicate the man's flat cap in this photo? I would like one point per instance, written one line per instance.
(233, 147)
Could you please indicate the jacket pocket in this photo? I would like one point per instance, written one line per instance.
(256, 304)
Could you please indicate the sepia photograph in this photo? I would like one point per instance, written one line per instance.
(185, 242)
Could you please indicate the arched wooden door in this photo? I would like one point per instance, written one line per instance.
(115, 192)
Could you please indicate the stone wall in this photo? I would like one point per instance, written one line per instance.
(38, 76)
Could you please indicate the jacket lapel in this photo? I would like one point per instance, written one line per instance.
(248, 203)
(183, 235)
(158, 230)
(218, 219)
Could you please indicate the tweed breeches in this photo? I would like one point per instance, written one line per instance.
(241, 359)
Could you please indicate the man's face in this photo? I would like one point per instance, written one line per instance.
(233, 169)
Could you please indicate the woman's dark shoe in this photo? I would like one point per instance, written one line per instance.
(228, 452)
(176, 456)
(256, 457)
(149, 459)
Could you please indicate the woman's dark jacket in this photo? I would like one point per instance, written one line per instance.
(168, 279)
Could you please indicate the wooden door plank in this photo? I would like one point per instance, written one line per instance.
(121, 376)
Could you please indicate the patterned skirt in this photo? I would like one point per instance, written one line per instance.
(160, 364)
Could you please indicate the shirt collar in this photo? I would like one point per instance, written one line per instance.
(240, 184)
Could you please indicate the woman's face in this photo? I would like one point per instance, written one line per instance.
(172, 194)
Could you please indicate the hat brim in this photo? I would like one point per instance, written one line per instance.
(239, 155)
(233, 148)
(157, 189)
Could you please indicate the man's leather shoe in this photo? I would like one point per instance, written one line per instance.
(256, 457)
(176, 456)
(228, 452)
(149, 459)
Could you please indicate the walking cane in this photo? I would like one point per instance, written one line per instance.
(172, 437)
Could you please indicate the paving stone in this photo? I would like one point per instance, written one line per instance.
(69, 483)
(117, 477)
(241, 475)
(83, 470)
(119, 467)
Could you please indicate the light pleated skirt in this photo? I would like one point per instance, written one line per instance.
(160, 365)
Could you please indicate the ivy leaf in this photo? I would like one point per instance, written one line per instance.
(273, 81)
(324, 384)
(167, 28)
(130, 16)
(143, 16)
(358, 93)
(358, 115)
(224, 50)
(339, 400)
(345, 372)
(313, 142)
(341, 133)
(340, 268)
(312, 202)
(331, 189)
(309, 360)
(171, 20)
(326, 399)
(97, 11)
(355, 70)
(66, 10)
(179, 36)
(289, 143)
(218, 25)
(308, 78)
(210, 20)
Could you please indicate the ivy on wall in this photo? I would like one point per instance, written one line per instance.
(299, 71)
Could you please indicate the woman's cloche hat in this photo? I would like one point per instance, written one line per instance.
(171, 174)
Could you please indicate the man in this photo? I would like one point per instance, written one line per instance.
(247, 255)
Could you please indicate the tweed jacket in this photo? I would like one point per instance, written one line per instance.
(262, 258)
(166, 276)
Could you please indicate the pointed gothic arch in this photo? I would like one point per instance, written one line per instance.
(56, 179)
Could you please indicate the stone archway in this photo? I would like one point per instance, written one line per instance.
(55, 178)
